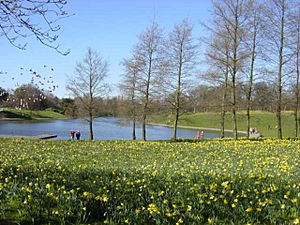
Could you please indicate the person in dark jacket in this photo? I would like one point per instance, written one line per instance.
(78, 135)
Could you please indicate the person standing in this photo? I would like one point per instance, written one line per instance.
(199, 135)
(72, 134)
(78, 135)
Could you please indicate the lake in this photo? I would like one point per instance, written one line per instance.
(105, 128)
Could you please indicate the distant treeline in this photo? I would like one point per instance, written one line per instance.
(202, 98)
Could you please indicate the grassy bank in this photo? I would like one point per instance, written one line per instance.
(264, 121)
(8, 113)
(126, 182)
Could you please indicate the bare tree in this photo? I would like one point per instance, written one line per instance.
(147, 53)
(234, 15)
(88, 84)
(181, 54)
(24, 18)
(297, 64)
(225, 86)
(129, 87)
(255, 25)
(227, 49)
(278, 43)
(217, 57)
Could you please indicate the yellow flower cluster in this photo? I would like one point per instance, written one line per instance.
(126, 182)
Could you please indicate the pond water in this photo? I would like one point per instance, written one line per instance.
(105, 128)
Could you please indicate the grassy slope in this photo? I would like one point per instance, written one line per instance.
(259, 119)
(28, 114)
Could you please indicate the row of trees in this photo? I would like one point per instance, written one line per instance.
(253, 40)
(249, 41)
(201, 98)
(159, 68)
(28, 96)
(31, 97)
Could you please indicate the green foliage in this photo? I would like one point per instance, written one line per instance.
(125, 182)
(68, 107)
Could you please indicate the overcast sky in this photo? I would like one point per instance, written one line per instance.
(109, 26)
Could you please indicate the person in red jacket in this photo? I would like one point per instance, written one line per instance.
(199, 134)
(72, 134)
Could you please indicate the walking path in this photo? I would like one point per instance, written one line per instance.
(198, 128)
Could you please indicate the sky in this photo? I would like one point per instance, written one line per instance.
(111, 27)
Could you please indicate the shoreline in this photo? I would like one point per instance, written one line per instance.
(41, 136)
(197, 128)
(13, 119)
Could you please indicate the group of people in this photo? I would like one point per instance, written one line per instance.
(199, 135)
(74, 134)
(254, 133)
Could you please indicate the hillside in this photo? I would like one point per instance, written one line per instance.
(264, 121)
(15, 114)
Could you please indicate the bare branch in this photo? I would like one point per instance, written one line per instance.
(20, 19)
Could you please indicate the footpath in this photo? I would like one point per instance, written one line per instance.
(198, 128)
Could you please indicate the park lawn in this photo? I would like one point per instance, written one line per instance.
(137, 182)
(264, 121)
(30, 114)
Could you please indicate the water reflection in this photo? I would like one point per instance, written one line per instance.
(105, 128)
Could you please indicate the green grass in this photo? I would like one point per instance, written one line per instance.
(259, 119)
(30, 114)
(136, 182)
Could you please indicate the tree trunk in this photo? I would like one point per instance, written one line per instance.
(176, 113)
(248, 115)
(145, 111)
(249, 94)
(297, 81)
(278, 110)
(144, 126)
(133, 120)
(91, 126)
(175, 126)
(234, 73)
(91, 106)
(133, 129)
(133, 112)
(177, 100)
(235, 135)
(223, 114)
(279, 81)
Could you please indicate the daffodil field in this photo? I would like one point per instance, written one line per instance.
(126, 182)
